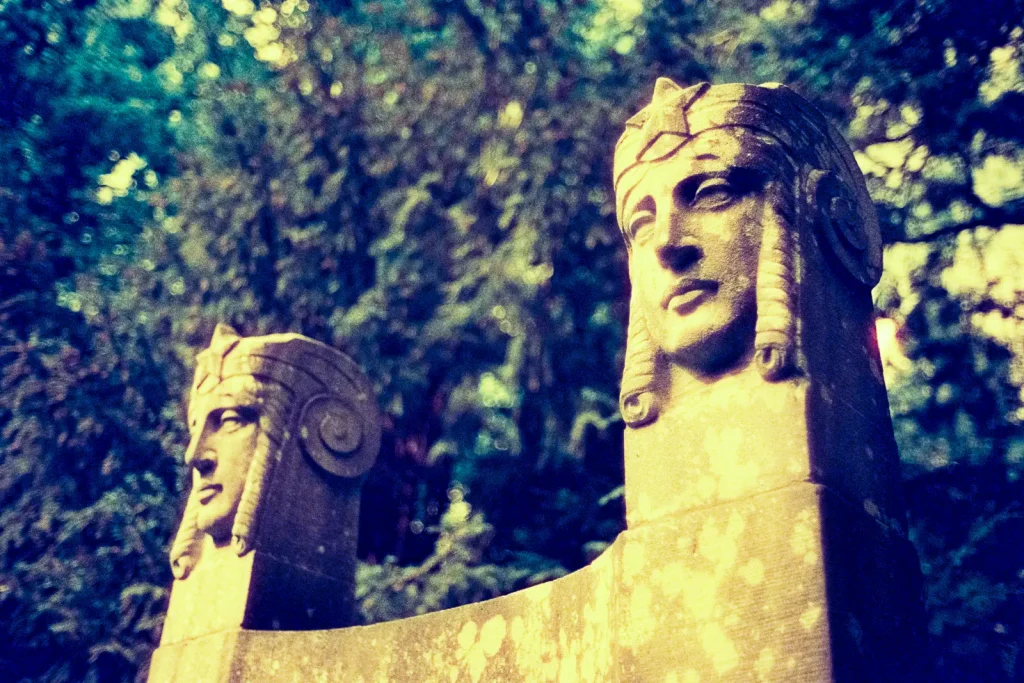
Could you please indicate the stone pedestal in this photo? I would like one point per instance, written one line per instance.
(787, 585)
(747, 590)
(798, 566)
(261, 590)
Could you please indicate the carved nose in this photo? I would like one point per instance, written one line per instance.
(679, 257)
(200, 456)
(205, 464)
(675, 247)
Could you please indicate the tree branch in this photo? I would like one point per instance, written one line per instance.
(990, 218)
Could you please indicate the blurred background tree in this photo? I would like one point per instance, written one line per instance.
(426, 185)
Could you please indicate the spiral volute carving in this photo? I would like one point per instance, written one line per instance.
(340, 436)
(842, 227)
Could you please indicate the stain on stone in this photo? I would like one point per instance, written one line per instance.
(810, 616)
(752, 572)
(764, 664)
(720, 648)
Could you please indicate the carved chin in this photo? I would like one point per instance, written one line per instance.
(216, 524)
(711, 345)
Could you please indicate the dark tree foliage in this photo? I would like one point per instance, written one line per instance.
(87, 492)
(426, 185)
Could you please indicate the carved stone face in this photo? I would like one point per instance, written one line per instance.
(694, 224)
(224, 436)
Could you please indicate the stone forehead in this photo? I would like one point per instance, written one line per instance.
(280, 362)
(770, 112)
(675, 115)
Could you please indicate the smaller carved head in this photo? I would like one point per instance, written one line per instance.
(249, 398)
(226, 427)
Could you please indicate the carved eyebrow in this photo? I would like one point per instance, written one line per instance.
(741, 179)
(239, 398)
(645, 204)
(707, 156)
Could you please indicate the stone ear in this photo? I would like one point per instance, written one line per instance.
(838, 225)
(339, 437)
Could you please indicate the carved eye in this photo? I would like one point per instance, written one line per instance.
(713, 193)
(640, 219)
(233, 419)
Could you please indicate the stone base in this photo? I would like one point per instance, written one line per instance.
(789, 585)
(256, 591)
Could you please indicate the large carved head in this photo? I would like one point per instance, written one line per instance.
(255, 401)
(713, 184)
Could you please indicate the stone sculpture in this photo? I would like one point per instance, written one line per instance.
(282, 429)
(753, 246)
(765, 537)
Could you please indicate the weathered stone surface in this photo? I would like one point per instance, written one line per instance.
(548, 632)
(752, 364)
(753, 246)
(735, 592)
(766, 536)
(283, 428)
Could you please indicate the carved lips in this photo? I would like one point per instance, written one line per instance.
(688, 294)
(207, 492)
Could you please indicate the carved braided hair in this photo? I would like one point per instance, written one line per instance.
(637, 402)
(775, 340)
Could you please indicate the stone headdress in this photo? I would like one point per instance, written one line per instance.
(300, 389)
(830, 198)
